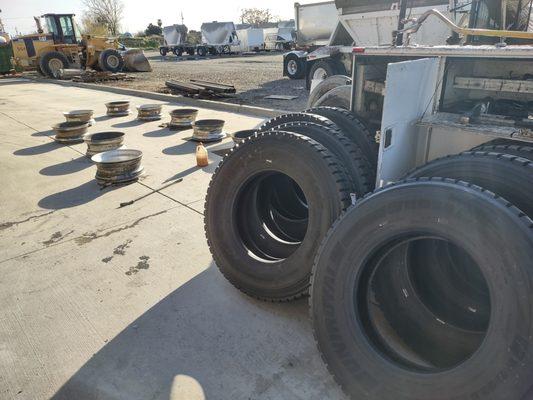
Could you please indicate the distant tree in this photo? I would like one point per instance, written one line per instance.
(194, 37)
(153, 30)
(106, 13)
(91, 25)
(256, 16)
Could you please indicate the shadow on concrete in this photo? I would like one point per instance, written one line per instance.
(182, 148)
(36, 150)
(162, 132)
(207, 333)
(74, 197)
(14, 81)
(128, 124)
(67, 167)
(182, 174)
(47, 133)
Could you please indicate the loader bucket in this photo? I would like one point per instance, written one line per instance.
(136, 61)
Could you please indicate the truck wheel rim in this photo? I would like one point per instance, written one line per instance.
(320, 73)
(55, 64)
(292, 66)
(113, 61)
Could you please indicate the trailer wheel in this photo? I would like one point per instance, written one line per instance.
(178, 51)
(323, 69)
(190, 51)
(370, 359)
(163, 51)
(51, 62)
(294, 66)
(243, 179)
(111, 60)
(202, 51)
(353, 127)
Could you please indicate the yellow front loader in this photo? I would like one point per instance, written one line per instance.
(62, 46)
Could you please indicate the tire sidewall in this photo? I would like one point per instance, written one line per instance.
(338, 267)
(310, 171)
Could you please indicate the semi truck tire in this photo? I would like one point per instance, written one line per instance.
(163, 51)
(190, 51)
(351, 158)
(325, 86)
(251, 169)
(352, 126)
(294, 66)
(518, 150)
(323, 69)
(51, 62)
(111, 60)
(339, 97)
(366, 357)
(178, 51)
(458, 296)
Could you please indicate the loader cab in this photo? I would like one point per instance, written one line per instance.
(63, 27)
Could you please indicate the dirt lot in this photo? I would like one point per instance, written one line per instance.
(254, 77)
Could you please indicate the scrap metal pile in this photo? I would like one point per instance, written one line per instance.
(200, 89)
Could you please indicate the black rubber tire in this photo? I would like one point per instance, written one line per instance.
(178, 51)
(321, 178)
(202, 51)
(103, 61)
(163, 51)
(190, 51)
(330, 66)
(354, 128)
(44, 62)
(518, 150)
(351, 158)
(502, 366)
(300, 63)
(339, 97)
(439, 342)
(508, 176)
(325, 86)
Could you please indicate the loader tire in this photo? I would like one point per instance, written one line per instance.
(51, 62)
(111, 60)
(243, 179)
(353, 127)
(457, 295)
(366, 356)
(325, 86)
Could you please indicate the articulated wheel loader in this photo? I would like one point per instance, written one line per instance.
(62, 46)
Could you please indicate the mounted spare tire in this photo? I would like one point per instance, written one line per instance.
(369, 358)
(325, 86)
(51, 62)
(111, 60)
(240, 191)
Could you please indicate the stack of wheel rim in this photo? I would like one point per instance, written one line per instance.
(421, 290)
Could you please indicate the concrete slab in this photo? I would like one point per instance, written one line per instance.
(107, 303)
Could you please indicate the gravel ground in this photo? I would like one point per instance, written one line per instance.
(254, 77)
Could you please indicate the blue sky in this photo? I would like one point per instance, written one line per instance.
(17, 14)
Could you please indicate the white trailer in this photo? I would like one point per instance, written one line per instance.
(175, 37)
(218, 38)
(251, 39)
